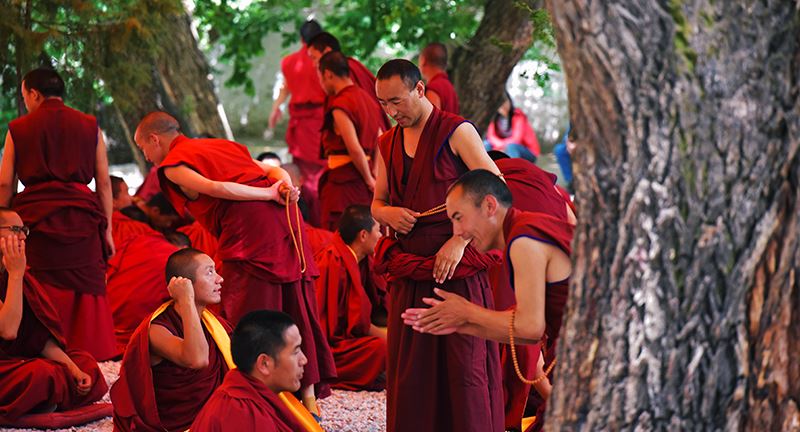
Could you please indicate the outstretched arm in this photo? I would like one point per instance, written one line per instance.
(193, 183)
(191, 351)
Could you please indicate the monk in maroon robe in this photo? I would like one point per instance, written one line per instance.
(324, 43)
(266, 349)
(345, 309)
(438, 88)
(56, 151)
(37, 372)
(537, 246)
(433, 383)
(175, 358)
(201, 239)
(349, 135)
(265, 252)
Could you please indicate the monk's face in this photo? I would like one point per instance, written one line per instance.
(372, 237)
(207, 283)
(316, 54)
(470, 221)
(152, 145)
(287, 369)
(123, 198)
(326, 80)
(400, 102)
(11, 225)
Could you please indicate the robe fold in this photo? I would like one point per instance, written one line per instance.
(55, 155)
(441, 85)
(201, 239)
(345, 310)
(136, 284)
(363, 78)
(435, 383)
(556, 232)
(29, 382)
(167, 396)
(243, 404)
(343, 186)
(318, 238)
(124, 228)
(260, 263)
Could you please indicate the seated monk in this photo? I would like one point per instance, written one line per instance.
(178, 355)
(269, 361)
(359, 347)
(135, 283)
(36, 373)
(127, 220)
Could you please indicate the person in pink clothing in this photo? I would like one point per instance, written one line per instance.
(511, 133)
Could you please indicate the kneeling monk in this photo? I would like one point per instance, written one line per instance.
(36, 374)
(178, 355)
(359, 347)
(269, 361)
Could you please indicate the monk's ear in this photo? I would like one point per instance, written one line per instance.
(490, 202)
(265, 364)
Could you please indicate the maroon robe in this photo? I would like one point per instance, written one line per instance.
(136, 284)
(29, 382)
(435, 383)
(124, 228)
(260, 265)
(363, 78)
(556, 232)
(55, 155)
(165, 396)
(201, 239)
(318, 238)
(149, 186)
(243, 403)
(343, 186)
(344, 312)
(441, 85)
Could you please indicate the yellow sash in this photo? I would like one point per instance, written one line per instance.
(336, 161)
(527, 422)
(223, 342)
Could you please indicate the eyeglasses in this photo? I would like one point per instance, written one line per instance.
(16, 229)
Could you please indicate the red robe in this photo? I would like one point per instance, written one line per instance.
(557, 232)
(318, 238)
(344, 185)
(28, 381)
(242, 403)
(201, 239)
(364, 79)
(55, 154)
(124, 228)
(136, 284)
(435, 383)
(441, 85)
(261, 267)
(344, 312)
(165, 396)
(149, 186)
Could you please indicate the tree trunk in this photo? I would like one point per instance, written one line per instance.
(684, 299)
(481, 68)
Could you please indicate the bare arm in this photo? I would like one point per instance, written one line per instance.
(275, 115)
(193, 184)
(467, 144)
(434, 98)
(54, 352)
(8, 173)
(347, 131)
(102, 183)
(191, 351)
(11, 307)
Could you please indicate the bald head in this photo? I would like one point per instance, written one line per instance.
(154, 134)
(435, 54)
(157, 122)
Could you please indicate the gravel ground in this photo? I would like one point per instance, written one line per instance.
(344, 411)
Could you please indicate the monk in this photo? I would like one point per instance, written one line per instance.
(161, 215)
(124, 227)
(266, 349)
(349, 137)
(37, 372)
(174, 360)
(135, 281)
(359, 347)
(120, 196)
(439, 90)
(324, 43)
(231, 196)
(433, 383)
(306, 111)
(56, 151)
(537, 250)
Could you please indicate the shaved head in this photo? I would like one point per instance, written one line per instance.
(435, 54)
(157, 122)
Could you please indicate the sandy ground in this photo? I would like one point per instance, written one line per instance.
(344, 411)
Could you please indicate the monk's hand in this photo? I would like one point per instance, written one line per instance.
(447, 258)
(446, 316)
(13, 249)
(110, 241)
(181, 289)
(400, 219)
(83, 382)
(292, 191)
(370, 181)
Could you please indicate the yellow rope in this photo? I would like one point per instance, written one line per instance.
(438, 209)
(536, 380)
(298, 246)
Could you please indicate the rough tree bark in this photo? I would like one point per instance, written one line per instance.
(481, 68)
(684, 299)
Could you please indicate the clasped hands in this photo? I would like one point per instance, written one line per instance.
(280, 188)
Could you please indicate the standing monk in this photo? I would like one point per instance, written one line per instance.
(349, 136)
(433, 383)
(306, 109)
(37, 372)
(537, 251)
(438, 89)
(265, 255)
(56, 151)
